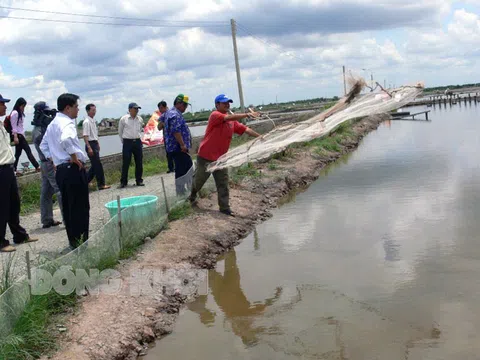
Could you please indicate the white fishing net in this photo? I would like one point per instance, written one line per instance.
(353, 105)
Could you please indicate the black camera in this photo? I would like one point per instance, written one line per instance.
(50, 112)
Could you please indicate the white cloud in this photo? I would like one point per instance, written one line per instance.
(306, 45)
(465, 28)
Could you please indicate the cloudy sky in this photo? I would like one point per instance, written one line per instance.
(288, 49)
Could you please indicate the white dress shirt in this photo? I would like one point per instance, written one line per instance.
(6, 152)
(61, 140)
(130, 128)
(90, 129)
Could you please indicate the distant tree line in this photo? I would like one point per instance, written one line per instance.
(451, 87)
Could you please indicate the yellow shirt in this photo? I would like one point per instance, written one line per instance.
(6, 151)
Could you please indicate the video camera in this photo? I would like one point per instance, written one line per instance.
(43, 115)
(50, 112)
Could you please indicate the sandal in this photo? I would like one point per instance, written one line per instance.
(8, 249)
(104, 187)
(29, 240)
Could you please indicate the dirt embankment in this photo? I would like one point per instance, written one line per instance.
(119, 326)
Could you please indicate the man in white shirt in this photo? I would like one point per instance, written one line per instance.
(130, 132)
(60, 143)
(10, 198)
(92, 147)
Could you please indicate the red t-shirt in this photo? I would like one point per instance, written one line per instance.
(218, 136)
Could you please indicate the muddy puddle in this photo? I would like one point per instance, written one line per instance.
(378, 259)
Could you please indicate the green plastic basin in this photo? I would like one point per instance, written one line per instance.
(143, 206)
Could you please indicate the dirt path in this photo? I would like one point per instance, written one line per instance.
(119, 326)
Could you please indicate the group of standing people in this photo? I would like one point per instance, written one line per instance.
(62, 166)
(62, 159)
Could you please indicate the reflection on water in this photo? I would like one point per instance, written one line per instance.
(229, 296)
(392, 249)
(378, 259)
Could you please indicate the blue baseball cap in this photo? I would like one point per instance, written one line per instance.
(3, 100)
(133, 105)
(222, 98)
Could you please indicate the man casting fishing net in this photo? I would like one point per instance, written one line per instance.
(220, 129)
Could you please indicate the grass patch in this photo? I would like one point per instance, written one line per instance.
(238, 140)
(272, 166)
(344, 129)
(333, 142)
(30, 338)
(323, 145)
(30, 197)
(151, 167)
(283, 155)
(246, 170)
(8, 265)
(180, 211)
(129, 250)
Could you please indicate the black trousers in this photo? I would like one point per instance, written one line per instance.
(23, 145)
(10, 207)
(171, 165)
(130, 147)
(73, 186)
(96, 167)
(183, 164)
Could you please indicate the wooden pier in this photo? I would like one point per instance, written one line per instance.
(452, 99)
(408, 116)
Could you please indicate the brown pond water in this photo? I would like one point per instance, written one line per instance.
(378, 259)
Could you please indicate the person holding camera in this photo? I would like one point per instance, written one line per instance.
(42, 117)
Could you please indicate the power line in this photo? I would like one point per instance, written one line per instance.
(114, 17)
(273, 46)
(156, 25)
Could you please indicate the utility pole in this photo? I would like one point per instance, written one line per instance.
(371, 77)
(237, 64)
(344, 82)
(384, 83)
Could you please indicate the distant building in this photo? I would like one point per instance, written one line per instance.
(108, 124)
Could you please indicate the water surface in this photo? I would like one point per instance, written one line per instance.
(378, 259)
